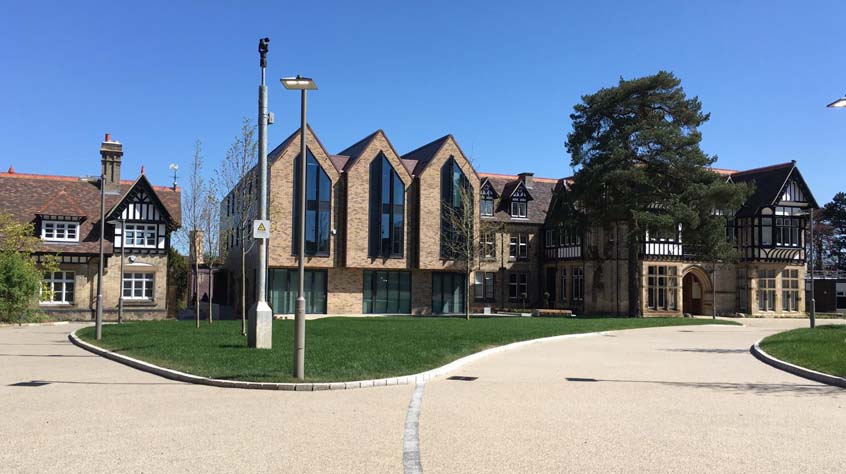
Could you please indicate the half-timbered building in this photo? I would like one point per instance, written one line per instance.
(65, 213)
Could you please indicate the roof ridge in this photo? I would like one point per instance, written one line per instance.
(51, 177)
(765, 168)
(346, 151)
(514, 176)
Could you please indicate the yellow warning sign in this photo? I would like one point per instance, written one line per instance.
(261, 229)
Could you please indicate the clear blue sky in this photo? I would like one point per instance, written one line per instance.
(501, 76)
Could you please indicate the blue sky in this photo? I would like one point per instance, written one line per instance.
(500, 76)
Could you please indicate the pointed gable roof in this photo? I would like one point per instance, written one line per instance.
(280, 150)
(141, 184)
(357, 149)
(417, 160)
(769, 183)
(486, 183)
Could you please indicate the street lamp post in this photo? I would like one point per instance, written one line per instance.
(302, 84)
(813, 283)
(98, 322)
(261, 316)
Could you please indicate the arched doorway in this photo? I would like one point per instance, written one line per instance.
(696, 292)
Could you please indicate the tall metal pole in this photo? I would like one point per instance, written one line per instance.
(261, 316)
(813, 297)
(122, 257)
(98, 322)
(299, 310)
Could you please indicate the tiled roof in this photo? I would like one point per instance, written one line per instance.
(355, 150)
(421, 157)
(26, 195)
(542, 191)
(768, 182)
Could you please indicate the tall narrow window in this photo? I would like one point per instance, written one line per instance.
(487, 202)
(563, 293)
(454, 186)
(387, 205)
(578, 293)
(790, 290)
(488, 245)
(318, 205)
(518, 287)
(483, 286)
(519, 247)
(766, 290)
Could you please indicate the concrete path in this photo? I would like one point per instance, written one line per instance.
(659, 400)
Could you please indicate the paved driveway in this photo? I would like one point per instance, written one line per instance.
(672, 400)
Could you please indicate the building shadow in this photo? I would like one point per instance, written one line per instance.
(737, 388)
(39, 383)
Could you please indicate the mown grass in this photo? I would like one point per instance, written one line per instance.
(822, 349)
(341, 349)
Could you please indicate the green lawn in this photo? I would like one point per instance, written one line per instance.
(822, 349)
(341, 349)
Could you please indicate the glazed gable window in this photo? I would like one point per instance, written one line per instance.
(387, 207)
(60, 231)
(318, 206)
(453, 186)
(487, 202)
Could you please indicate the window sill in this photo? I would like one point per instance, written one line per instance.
(128, 302)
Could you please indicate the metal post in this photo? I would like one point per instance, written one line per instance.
(299, 310)
(122, 257)
(98, 322)
(813, 297)
(261, 316)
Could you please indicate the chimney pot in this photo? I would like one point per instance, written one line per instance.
(11, 169)
(108, 137)
(527, 179)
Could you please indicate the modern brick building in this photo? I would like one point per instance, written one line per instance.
(375, 228)
(65, 212)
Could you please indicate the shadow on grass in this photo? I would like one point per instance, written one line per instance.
(737, 388)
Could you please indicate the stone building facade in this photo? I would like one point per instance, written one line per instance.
(65, 213)
(375, 227)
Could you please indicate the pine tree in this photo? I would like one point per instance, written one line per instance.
(636, 150)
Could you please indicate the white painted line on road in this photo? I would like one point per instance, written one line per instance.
(411, 435)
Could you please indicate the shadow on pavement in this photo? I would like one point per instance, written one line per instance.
(710, 351)
(739, 388)
(45, 355)
(38, 383)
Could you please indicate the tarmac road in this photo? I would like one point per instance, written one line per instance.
(669, 400)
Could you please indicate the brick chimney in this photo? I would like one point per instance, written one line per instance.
(527, 179)
(111, 153)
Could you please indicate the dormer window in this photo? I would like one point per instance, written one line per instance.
(60, 231)
(519, 203)
(487, 201)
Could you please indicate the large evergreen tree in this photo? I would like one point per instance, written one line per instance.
(833, 216)
(636, 150)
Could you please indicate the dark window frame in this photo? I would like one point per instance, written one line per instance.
(380, 169)
(320, 206)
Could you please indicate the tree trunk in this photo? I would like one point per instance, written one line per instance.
(196, 288)
(211, 293)
(467, 296)
(634, 278)
(243, 293)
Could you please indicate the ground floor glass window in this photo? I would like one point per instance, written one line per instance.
(138, 286)
(662, 288)
(61, 287)
(448, 292)
(518, 287)
(766, 290)
(283, 291)
(790, 290)
(387, 292)
(578, 292)
(483, 286)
